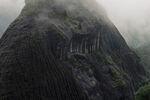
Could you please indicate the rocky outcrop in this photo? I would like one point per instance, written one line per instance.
(60, 51)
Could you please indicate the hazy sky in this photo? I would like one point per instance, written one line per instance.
(130, 16)
(9, 10)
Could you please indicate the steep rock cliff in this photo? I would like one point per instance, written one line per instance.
(144, 53)
(66, 50)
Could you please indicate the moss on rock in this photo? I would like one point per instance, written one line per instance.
(115, 75)
(102, 58)
(119, 83)
(79, 63)
(143, 93)
(32, 11)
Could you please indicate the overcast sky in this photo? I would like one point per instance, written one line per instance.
(132, 18)
(9, 10)
(125, 14)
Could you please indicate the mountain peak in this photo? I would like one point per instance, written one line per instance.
(66, 51)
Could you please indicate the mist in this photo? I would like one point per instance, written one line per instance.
(131, 17)
(9, 10)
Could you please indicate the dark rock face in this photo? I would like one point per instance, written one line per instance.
(54, 51)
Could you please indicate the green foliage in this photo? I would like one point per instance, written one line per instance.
(52, 14)
(125, 75)
(31, 11)
(131, 53)
(145, 80)
(119, 83)
(71, 20)
(75, 25)
(79, 63)
(102, 58)
(77, 31)
(143, 93)
(115, 76)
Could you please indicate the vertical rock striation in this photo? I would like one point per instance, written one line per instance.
(63, 50)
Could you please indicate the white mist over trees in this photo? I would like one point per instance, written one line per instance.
(130, 16)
